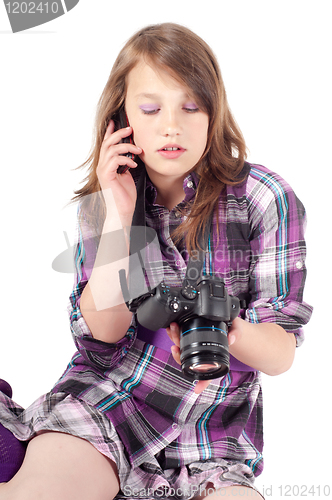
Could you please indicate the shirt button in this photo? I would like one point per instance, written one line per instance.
(190, 184)
(174, 426)
(299, 264)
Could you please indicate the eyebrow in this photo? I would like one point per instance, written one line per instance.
(155, 96)
(148, 96)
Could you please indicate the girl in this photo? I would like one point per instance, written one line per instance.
(122, 420)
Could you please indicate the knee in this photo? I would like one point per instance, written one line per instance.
(62, 466)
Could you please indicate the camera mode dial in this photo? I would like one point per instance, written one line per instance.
(189, 292)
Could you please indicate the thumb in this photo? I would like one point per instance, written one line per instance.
(231, 339)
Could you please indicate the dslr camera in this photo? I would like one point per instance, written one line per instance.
(204, 311)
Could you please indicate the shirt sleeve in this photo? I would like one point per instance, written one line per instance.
(102, 354)
(278, 252)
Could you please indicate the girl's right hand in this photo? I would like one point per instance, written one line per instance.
(122, 186)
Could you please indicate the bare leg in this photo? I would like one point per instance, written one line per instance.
(59, 465)
(238, 491)
(230, 491)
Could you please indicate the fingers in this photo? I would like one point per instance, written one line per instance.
(235, 332)
(112, 138)
(109, 130)
(231, 339)
(112, 146)
(176, 353)
(173, 331)
(200, 385)
(112, 153)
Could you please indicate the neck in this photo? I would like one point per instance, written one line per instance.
(169, 190)
(169, 199)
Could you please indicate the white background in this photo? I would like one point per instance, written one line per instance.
(275, 57)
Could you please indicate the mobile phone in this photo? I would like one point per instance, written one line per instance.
(121, 121)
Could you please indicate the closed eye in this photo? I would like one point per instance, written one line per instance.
(149, 110)
(152, 112)
(191, 107)
(191, 110)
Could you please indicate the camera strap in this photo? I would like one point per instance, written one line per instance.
(138, 242)
(195, 266)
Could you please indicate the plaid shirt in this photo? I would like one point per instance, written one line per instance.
(130, 400)
(160, 421)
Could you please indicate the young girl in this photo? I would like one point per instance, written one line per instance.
(123, 420)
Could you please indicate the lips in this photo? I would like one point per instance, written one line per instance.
(171, 151)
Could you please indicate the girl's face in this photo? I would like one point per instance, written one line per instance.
(167, 123)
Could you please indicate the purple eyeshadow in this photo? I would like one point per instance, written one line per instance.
(148, 107)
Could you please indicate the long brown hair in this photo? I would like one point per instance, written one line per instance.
(191, 62)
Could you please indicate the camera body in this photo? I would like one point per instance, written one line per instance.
(204, 312)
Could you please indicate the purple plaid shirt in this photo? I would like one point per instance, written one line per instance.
(137, 384)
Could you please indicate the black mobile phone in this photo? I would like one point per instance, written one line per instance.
(121, 121)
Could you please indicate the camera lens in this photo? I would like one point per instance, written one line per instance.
(204, 349)
(204, 367)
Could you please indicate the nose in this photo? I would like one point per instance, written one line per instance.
(170, 123)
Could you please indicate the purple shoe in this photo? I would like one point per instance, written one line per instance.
(12, 450)
(5, 388)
